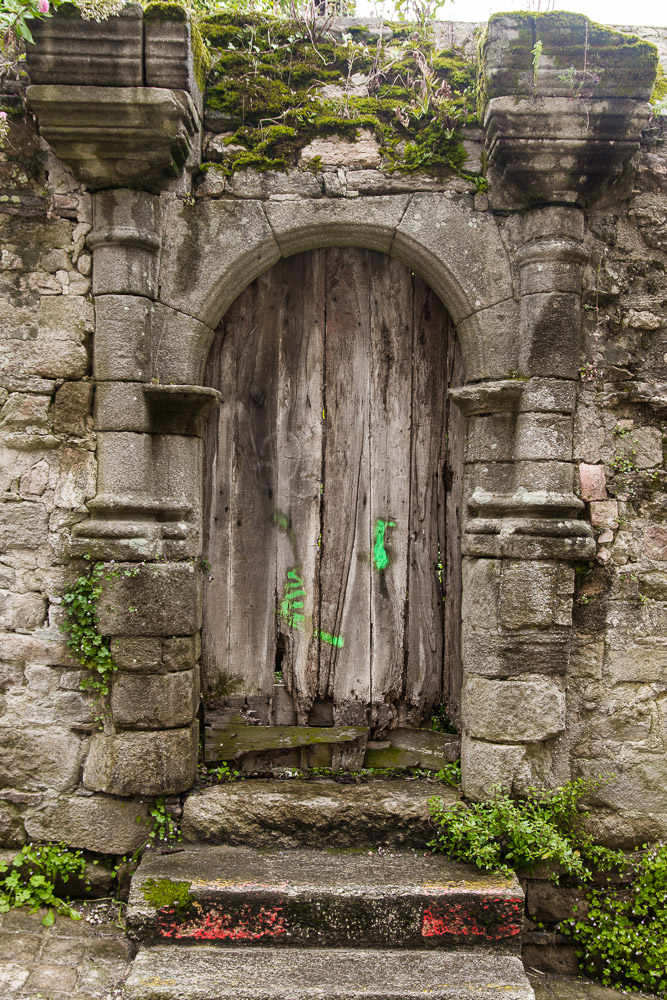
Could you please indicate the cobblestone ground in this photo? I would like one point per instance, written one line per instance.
(85, 959)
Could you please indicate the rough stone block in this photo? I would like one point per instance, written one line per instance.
(642, 446)
(593, 481)
(481, 590)
(141, 701)
(458, 251)
(137, 653)
(604, 513)
(181, 653)
(122, 338)
(21, 611)
(143, 763)
(39, 758)
(226, 244)
(551, 328)
(41, 647)
(515, 655)
(655, 542)
(490, 438)
(638, 663)
(489, 342)
(72, 413)
(93, 823)
(12, 833)
(549, 903)
(180, 347)
(514, 767)
(543, 436)
(77, 478)
(121, 406)
(535, 594)
(511, 711)
(23, 525)
(166, 598)
(339, 151)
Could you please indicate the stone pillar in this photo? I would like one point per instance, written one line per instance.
(549, 153)
(131, 143)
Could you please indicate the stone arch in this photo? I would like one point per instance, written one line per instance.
(216, 248)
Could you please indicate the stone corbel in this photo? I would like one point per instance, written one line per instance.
(555, 135)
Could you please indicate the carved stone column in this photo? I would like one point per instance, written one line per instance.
(548, 154)
(129, 144)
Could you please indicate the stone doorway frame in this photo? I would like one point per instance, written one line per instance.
(508, 267)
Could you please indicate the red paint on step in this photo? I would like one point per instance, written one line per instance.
(463, 919)
(215, 924)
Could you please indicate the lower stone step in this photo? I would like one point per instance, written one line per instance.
(386, 898)
(321, 813)
(206, 973)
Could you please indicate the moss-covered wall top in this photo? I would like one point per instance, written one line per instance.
(274, 86)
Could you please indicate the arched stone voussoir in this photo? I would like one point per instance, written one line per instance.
(457, 250)
(212, 251)
(336, 222)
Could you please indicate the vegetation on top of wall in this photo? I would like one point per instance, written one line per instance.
(276, 86)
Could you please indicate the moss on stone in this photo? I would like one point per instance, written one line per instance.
(267, 81)
(660, 87)
(164, 894)
(165, 10)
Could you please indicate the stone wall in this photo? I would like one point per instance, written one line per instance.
(566, 647)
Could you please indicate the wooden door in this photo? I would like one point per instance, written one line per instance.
(332, 495)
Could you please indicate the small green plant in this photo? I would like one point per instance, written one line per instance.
(537, 55)
(503, 833)
(225, 773)
(450, 774)
(624, 465)
(80, 626)
(623, 938)
(163, 826)
(30, 879)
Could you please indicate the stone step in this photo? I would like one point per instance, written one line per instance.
(317, 898)
(205, 973)
(320, 813)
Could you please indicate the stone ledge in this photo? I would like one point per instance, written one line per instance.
(117, 136)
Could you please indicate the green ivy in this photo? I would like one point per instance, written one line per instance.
(623, 937)
(81, 620)
(30, 879)
(503, 834)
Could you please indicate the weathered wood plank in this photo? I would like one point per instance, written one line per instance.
(390, 421)
(453, 664)
(345, 555)
(242, 595)
(237, 739)
(299, 455)
(423, 681)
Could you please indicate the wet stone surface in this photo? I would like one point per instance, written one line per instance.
(86, 959)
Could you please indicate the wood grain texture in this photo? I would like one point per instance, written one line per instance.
(333, 368)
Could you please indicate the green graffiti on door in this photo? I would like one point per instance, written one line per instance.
(290, 610)
(380, 557)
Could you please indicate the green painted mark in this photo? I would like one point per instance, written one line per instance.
(380, 556)
(333, 640)
(290, 602)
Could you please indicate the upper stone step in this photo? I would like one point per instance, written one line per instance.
(333, 898)
(320, 813)
(204, 973)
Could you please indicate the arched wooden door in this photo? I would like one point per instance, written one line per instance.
(332, 495)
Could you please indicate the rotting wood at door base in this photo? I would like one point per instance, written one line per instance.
(342, 747)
